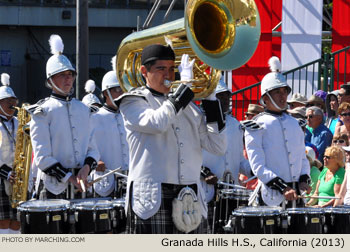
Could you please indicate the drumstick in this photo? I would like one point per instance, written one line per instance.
(107, 174)
(82, 185)
(250, 179)
(231, 185)
(317, 197)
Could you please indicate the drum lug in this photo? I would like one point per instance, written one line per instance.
(242, 223)
(94, 216)
(71, 218)
(65, 216)
(27, 218)
(113, 214)
(233, 221)
(76, 216)
(47, 218)
(285, 224)
(289, 220)
(18, 216)
(332, 219)
(306, 220)
(261, 222)
(278, 221)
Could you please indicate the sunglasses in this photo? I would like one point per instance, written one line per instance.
(327, 157)
(310, 117)
(339, 141)
(345, 114)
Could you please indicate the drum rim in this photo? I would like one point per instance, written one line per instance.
(65, 204)
(303, 210)
(259, 211)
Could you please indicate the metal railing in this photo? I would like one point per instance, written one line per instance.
(93, 3)
(332, 65)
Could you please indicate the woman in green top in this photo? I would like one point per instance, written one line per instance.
(331, 177)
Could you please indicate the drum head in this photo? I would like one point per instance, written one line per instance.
(93, 204)
(257, 211)
(44, 205)
(235, 193)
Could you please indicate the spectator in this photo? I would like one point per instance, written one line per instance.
(298, 112)
(344, 113)
(253, 110)
(332, 106)
(340, 140)
(320, 136)
(344, 93)
(315, 166)
(297, 100)
(331, 177)
(316, 101)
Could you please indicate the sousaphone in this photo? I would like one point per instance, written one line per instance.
(219, 34)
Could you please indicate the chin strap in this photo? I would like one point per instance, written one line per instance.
(274, 104)
(3, 111)
(53, 85)
(110, 98)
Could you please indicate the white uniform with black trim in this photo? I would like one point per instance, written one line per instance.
(110, 138)
(7, 144)
(276, 150)
(233, 161)
(60, 131)
(165, 147)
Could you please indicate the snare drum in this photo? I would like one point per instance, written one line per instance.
(257, 220)
(91, 215)
(44, 216)
(118, 216)
(308, 220)
(337, 220)
(229, 200)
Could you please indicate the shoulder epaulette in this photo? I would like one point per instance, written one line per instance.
(250, 125)
(36, 108)
(93, 109)
(139, 91)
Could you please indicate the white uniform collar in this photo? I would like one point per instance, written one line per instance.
(110, 109)
(61, 97)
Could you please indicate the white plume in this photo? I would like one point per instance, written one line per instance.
(90, 86)
(275, 64)
(5, 79)
(56, 44)
(114, 63)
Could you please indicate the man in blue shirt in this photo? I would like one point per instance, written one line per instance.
(321, 136)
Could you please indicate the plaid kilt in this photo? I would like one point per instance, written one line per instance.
(161, 222)
(6, 211)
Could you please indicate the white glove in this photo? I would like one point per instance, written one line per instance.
(186, 69)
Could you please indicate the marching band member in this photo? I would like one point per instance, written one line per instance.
(276, 151)
(166, 134)
(8, 130)
(109, 135)
(232, 162)
(60, 129)
(90, 99)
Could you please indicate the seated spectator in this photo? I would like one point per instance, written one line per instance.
(344, 114)
(340, 140)
(320, 136)
(332, 106)
(344, 93)
(331, 177)
(297, 100)
(316, 101)
(345, 187)
(298, 112)
(315, 166)
(253, 110)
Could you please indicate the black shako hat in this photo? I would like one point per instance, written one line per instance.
(156, 52)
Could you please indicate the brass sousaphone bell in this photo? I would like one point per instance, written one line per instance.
(219, 34)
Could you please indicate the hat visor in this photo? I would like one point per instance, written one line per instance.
(346, 148)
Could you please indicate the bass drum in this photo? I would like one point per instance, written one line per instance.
(257, 220)
(44, 216)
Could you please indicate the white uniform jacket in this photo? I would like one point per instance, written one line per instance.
(8, 138)
(233, 161)
(276, 150)
(110, 138)
(165, 147)
(60, 131)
